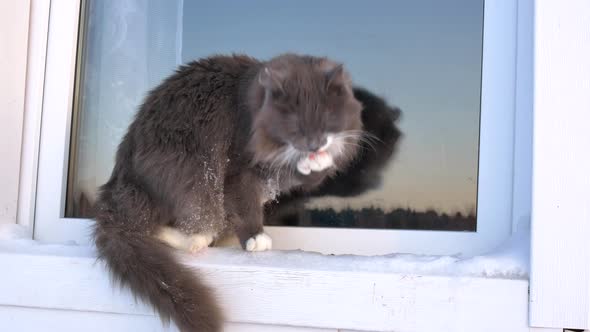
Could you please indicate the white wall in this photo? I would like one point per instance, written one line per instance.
(14, 28)
(560, 265)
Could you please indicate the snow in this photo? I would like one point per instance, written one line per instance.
(16, 239)
(509, 261)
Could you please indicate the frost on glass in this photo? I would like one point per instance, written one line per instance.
(128, 47)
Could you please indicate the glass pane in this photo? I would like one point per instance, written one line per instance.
(423, 56)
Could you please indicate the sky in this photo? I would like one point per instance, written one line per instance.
(421, 55)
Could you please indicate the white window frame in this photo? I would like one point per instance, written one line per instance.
(13, 70)
(31, 300)
(495, 160)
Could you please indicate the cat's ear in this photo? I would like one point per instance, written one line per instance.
(335, 75)
(270, 79)
(336, 80)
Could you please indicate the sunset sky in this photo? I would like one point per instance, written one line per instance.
(421, 55)
(424, 56)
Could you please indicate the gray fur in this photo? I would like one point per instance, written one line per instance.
(199, 156)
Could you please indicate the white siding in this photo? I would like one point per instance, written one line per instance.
(314, 297)
(560, 275)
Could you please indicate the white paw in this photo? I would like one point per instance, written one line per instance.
(315, 162)
(320, 161)
(197, 242)
(304, 166)
(259, 242)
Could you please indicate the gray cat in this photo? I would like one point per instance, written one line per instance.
(206, 150)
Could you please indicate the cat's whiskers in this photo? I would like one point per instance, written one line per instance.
(356, 136)
(283, 158)
(361, 133)
(287, 156)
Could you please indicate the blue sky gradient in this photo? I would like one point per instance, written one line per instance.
(422, 55)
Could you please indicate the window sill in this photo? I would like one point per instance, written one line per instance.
(279, 288)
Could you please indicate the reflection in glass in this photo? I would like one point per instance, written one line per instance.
(423, 56)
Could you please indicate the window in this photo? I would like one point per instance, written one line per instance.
(451, 74)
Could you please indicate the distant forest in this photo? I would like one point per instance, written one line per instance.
(376, 218)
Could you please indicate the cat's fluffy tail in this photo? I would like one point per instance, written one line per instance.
(149, 268)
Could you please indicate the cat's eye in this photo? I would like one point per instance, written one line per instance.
(284, 110)
(278, 94)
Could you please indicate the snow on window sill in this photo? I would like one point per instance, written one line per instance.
(509, 261)
(380, 293)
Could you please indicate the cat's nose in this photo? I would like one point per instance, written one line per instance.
(315, 145)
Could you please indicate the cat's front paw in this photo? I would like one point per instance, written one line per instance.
(304, 166)
(315, 162)
(259, 242)
(320, 161)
